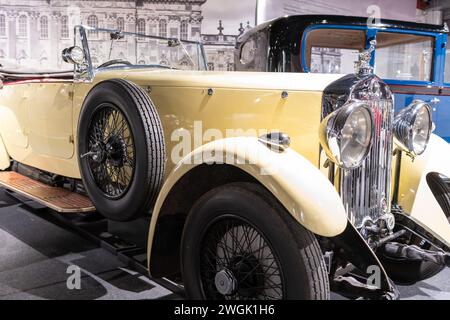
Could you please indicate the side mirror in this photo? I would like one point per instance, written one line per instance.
(74, 55)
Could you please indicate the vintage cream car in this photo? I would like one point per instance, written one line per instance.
(259, 185)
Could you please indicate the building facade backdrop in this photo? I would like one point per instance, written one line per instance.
(219, 48)
(34, 32)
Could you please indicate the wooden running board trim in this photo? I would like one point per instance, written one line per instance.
(58, 199)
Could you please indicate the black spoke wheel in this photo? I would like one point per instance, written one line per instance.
(239, 243)
(121, 150)
(238, 263)
(111, 155)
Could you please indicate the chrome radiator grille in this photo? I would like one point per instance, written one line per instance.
(365, 191)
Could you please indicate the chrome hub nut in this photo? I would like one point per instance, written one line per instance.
(225, 282)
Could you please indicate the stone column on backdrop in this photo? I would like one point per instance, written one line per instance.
(12, 18)
(54, 39)
(34, 36)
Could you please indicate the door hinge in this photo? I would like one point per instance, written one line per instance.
(71, 139)
(71, 94)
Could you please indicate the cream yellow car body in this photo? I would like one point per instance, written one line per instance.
(42, 132)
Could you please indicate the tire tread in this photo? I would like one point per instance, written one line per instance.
(153, 126)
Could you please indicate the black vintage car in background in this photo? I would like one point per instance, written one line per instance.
(412, 58)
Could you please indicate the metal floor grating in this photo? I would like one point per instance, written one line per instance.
(56, 198)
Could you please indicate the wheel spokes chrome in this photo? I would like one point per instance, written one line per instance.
(234, 254)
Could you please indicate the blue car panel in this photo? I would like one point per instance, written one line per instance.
(441, 114)
(440, 105)
(282, 45)
(439, 102)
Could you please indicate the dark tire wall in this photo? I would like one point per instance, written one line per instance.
(300, 256)
(440, 186)
(150, 153)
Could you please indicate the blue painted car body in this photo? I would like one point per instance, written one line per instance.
(281, 46)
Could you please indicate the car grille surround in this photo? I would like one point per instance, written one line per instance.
(366, 190)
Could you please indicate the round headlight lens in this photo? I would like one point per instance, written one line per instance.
(413, 126)
(421, 131)
(346, 134)
(73, 55)
(356, 137)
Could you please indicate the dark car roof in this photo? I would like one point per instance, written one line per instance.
(301, 22)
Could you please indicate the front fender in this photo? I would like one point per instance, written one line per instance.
(299, 186)
(416, 197)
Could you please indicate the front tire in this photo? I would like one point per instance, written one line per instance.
(240, 243)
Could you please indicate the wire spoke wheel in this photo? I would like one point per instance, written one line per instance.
(111, 151)
(238, 263)
(121, 149)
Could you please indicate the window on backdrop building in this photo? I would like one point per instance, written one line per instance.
(152, 29)
(121, 24)
(141, 26)
(163, 28)
(2, 25)
(92, 22)
(184, 30)
(23, 26)
(65, 27)
(141, 29)
(43, 25)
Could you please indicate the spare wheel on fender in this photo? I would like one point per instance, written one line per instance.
(121, 149)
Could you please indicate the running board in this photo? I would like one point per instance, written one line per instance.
(56, 198)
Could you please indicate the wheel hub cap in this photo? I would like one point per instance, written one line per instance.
(116, 150)
(225, 282)
(97, 153)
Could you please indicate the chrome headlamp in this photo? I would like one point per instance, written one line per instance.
(412, 128)
(74, 55)
(346, 134)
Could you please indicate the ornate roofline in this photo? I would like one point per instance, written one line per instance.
(139, 2)
(147, 1)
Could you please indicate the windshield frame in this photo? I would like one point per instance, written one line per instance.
(88, 71)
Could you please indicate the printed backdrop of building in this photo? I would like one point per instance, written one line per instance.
(34, 32)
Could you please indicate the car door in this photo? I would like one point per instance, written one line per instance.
(442, 118)
(50, 119)
(14, 100)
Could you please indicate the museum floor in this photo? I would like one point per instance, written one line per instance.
(35, 255)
